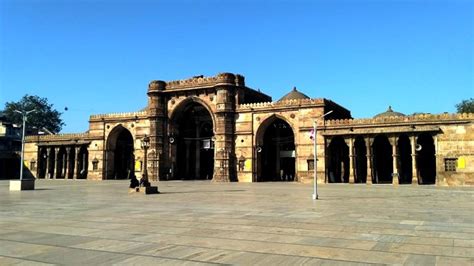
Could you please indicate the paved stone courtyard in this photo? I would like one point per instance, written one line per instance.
(98, 222)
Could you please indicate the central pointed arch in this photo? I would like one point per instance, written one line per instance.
(275, 150)
(192, 151)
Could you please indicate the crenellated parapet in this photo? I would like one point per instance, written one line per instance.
(435, 118)
(220, 79)
(141, 114)
(58, 137)
(285, 103)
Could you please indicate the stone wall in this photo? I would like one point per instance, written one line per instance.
(102, 127)
(456, 142)
(239, 125)
(453, 136)
(251, 122)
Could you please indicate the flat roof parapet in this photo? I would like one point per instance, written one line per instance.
(118, 115)
(289, 103)
(400, 119)
(65, 136)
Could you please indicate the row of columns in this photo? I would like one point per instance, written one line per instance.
(63, 165)
(370, 167)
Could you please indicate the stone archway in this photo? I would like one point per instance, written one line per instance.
(120, 156)
(338, 164)
(192, 146)
(383, 160)
(426, 159)
(276, 151)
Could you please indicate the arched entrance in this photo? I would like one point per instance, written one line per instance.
(338, 164)
(360, 155)
(426, 159)
(404, 160)
(276, 159)
(120, 158)
(383, 160)
(193, 143)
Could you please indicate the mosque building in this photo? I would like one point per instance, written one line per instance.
(217, 128)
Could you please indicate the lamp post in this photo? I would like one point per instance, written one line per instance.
(315, 179)
(24, 115)
(145, 145)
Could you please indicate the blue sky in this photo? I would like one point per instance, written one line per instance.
(97, 56)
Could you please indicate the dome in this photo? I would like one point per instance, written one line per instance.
(294, 94)
(388, 113)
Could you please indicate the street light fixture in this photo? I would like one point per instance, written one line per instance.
(145, 145)
(24, 117)
(315, 179)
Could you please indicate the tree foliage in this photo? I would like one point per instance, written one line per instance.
(466, 106)
(45, 116)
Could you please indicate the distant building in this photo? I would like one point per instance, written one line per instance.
(217, 128)
(10, 146)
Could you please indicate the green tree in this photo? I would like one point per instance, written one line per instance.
(466, 106)
(45, 116)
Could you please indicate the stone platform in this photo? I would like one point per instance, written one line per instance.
(25, 184)
(145, 190)
(98, 222)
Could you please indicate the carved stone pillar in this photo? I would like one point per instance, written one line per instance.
(369, 160)
(76, 162)
(57, 170)
(68, 162)
(197, 165)
(224, 170)
(395, 180)
(157, 116)
(84, 164)
(48, 163)
(414, 180)
(440, 179)
(223, 147)
(350, 143)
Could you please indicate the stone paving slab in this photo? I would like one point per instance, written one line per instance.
(20, 262)
(204, 223)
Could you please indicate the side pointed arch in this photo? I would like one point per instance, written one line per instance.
(120, 159)
(267, 122)
(276, 150)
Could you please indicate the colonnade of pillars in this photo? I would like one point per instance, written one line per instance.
(382, 159)
(371, 167)
(63, 162)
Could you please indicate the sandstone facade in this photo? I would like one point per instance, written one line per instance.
(218, 128)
